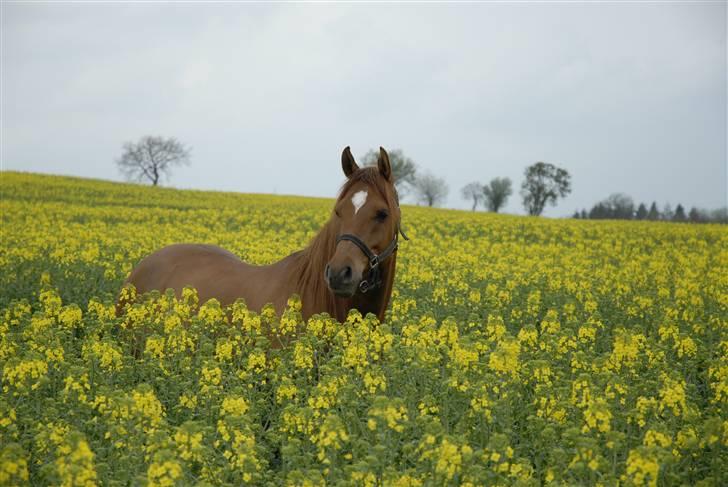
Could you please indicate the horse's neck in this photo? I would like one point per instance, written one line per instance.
(376, 300)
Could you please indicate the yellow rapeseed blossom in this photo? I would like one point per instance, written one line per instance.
(236, 406)
(514, 350)
(75, 462)
(163, 473)
(106, 354)
(13, 465)
(505, 358)
(22, 376)
(672, 396)
(393, 415)
(642, 468)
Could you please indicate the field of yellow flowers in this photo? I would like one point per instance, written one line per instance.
(517, 351)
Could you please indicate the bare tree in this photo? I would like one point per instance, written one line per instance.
(496, 193)
(404, 168)
(544, 183)
(151, 158)
(473, 191)
(430, 189)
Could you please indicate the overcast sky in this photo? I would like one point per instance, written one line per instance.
(628, 97)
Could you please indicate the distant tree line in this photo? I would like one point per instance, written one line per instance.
(153, 157)
(493, 196)
(620, 206)
(543, 184)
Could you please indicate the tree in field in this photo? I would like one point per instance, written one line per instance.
(667, 212)
(679, 215)
(496, 193)
(404, 168)
(544, 183)
(472, 191)
(598, 212)
(620, 206)
(617, 206)
(695, 216)
(641, 212)
(430, 190)
(719, 215)
(152, 158)
(654, 213)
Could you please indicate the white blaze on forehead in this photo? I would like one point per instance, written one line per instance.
(358, 200)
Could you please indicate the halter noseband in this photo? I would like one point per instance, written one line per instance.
(374, 278)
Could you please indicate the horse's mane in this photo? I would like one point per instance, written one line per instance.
(312, 260)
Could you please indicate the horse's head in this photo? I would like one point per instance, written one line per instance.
(366, 221)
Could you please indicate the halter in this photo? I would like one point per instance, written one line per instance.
(375, 273)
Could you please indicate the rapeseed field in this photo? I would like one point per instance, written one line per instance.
(516, 351)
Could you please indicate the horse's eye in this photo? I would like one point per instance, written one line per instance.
(381, 215)
(336, 212)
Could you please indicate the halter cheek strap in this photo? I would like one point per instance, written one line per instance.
(374, 277)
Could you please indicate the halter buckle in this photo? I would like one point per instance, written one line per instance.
(364, 286)
(374, 261)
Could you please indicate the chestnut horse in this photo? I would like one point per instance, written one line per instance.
(349, 264)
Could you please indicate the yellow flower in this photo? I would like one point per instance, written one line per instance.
(449, 460)
(13, 465)
(163, 473)
(210, 378)
(24, 376)
(393, 414)
(224, 350)
(256, 361)
(597, 416)
(686, 346)
(235, 405)
(286, 392)
(148, 406)
(155, 347)
(302, 356)
(657, 438)
(672, 396)
(70, 316)
(74, 461)
(105, 353)
(331, 435)
(189, 442)
(626, 350)
(188, 401)
(642, 468)
(505, 358)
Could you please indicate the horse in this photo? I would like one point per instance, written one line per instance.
(349, 264)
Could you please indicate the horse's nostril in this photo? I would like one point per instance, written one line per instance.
(347, 273)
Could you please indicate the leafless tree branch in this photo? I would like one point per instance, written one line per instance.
(151, 158)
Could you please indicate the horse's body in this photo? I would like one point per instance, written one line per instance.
(329, 275)
(215, 273)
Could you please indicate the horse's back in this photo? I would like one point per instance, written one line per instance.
(213, 271)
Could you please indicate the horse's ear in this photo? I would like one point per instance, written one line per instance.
(383, 163)
(348, 164)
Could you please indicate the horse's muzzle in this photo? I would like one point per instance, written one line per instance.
(341, 281)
